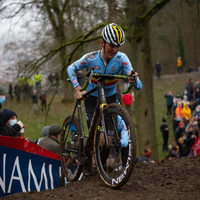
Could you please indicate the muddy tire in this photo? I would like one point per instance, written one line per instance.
(70, 147)
(121, 159)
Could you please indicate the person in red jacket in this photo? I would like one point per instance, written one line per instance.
(127, 100)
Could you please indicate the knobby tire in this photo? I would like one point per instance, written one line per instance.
(115, 178)
(73, 171)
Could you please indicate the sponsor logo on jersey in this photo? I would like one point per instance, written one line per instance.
(113, 69)
(83, 63)
(74, 81)
(122, 133)
(96, 67)
(125, 63)
(92, 56)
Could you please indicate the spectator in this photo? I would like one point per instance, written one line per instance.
(179, 131)
(187, 114)
(17, 91)
(30, 83)
(196, 128)
(196, 113)
(10, 121)
(179, 65)
(10, 90)
(187, 87)
(169, 103)
(45, 132)
(191, 131)
(188, 125)
(183, 144)
(158, 69)
(178, 134)
(196, 102)
(189, 69)
(185, 99)
(50, 78)
(177, 98)
(197, 93)
(191, 87)
(127, 100)
(175, 102)
(179, 111)
(35, 100)
(3, 129)
(43, 98)
(50, 142)
(173, 153)
(197, 85)
(56, 77)
(38, 80)
(146, 157)
(192, 106)
(164, 128)
(26, 91)
(191, 137)
(178, 115)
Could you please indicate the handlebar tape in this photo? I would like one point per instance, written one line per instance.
(85, 85)
(128, 89)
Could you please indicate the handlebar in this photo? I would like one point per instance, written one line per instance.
(89, 74)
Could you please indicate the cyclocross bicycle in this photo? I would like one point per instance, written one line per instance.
(113, 162)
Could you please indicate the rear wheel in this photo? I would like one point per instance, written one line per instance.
(115, 162)
(70, 148)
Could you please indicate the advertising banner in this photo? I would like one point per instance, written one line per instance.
(25, 166)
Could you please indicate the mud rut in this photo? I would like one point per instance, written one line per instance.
(174, 179)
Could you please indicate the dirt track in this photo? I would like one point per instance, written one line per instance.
(175, 179)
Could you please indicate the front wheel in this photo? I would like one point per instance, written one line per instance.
(70, 148)
(115, 161)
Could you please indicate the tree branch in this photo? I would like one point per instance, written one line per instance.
(51, 16)
(142, 20)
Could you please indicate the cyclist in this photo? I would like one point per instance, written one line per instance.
(108, 60)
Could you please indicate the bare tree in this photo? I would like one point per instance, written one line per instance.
(138, 15)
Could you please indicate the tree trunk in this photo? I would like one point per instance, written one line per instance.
(144, 103)
(141, 59)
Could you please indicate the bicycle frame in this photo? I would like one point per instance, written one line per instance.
(102, 102)
(104, 138)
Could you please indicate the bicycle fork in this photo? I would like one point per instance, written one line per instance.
(102, 104)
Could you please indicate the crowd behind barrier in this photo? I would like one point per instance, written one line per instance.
(185, 109)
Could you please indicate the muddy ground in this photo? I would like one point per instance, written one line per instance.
(174, 179)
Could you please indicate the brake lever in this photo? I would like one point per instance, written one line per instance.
(133, 72)
(90, 77)
(91, 74)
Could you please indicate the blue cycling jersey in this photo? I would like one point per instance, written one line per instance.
(114, 67)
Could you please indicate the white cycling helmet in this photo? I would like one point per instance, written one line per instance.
(112, 33)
